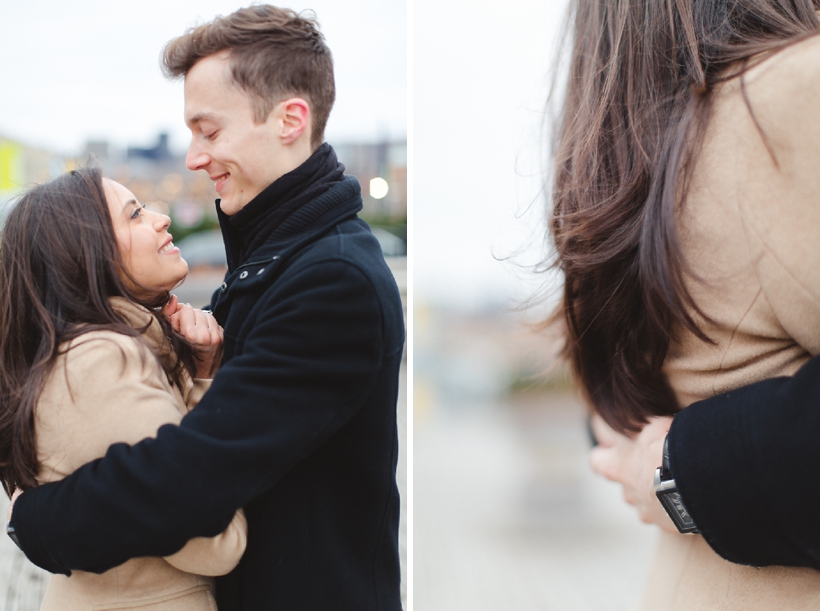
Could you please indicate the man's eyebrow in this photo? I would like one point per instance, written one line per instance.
(202, 116)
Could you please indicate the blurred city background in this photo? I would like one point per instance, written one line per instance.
(506, 512)
(82, 84)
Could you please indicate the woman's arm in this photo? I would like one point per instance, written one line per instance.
(217, 555)
(128, 400)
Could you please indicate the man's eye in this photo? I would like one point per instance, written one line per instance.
(210, 136)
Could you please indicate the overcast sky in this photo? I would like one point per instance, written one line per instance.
(87, 69)
(84, 69)
(480, 80)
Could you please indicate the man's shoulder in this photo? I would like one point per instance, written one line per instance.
(348, 261)
(349, 243)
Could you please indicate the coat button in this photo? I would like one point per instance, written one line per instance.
(259, 273)
(224, 286)
(243, 275)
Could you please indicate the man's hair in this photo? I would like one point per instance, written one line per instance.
(274, 53)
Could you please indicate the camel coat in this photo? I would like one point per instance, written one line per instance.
(108, 388)
(750, 229)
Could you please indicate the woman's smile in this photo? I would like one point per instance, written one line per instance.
(153, 265)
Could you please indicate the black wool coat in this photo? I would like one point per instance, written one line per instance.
(299, 428)
(746, 465)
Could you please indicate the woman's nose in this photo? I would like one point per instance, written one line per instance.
(161, 221)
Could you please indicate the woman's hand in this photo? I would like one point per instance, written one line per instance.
(631, 462)
(17, 492)
(201, 330)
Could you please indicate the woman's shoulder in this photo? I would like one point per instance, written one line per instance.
(104, 352)
(103, 341)
(98, 344)
(791, 75)
(105, 387)
(768, 114)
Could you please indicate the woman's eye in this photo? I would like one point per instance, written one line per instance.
(137, 211)
(210, 136)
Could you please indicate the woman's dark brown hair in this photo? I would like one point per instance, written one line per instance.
(641, 77)
(59, 265)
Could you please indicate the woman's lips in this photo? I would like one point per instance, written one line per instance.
(168, 248)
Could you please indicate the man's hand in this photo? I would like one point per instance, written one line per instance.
(17, 492)
(201, 329)
(631, 462)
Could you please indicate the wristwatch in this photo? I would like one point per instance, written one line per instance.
(12, 533)
(667, 492)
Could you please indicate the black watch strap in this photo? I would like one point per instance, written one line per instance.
(12, 533)
(667, 492)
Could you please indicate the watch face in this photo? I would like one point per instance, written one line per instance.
(12, 534)
(677, 511)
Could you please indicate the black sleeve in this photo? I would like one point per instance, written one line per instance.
(302, 373)
(746, 464)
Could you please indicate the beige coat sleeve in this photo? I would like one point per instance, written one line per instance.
(212, 556)
(113, 390)
(779, 198)
(199, 386)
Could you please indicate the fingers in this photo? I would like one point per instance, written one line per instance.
(608, 456)
(657, 426)
(186, 321)
(17, 492)
(604, 434)
(171, 311)
(198, 327)
(171, 307)
(631, 463)
(604, 461)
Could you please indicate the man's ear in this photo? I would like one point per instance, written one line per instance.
(294, 115)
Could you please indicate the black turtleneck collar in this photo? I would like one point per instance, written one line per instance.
(260, 218)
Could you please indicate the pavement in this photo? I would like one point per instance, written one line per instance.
(22, 585)
(508, 516)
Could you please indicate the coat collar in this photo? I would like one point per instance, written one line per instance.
(342, 200)
(306, 225)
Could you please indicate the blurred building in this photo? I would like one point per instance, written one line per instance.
(158, 176)
(22, 166)
(385, 160)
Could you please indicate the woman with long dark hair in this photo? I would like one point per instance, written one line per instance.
(687, 224)
(88, 357)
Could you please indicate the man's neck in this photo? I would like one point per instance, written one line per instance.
(293, 156)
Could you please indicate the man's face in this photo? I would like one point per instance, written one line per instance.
(239, 155)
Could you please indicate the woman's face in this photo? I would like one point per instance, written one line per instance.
(145, 245)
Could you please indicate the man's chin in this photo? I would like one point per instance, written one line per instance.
(231, 206)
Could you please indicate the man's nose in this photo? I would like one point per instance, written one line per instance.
(196, 159)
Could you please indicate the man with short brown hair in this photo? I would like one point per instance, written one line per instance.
(299, 426)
